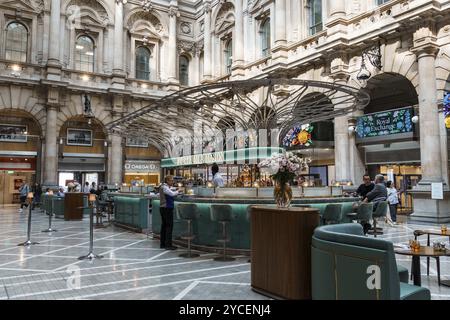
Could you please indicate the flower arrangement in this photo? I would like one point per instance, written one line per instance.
(446, 108)
(299, 136)
(283, 167)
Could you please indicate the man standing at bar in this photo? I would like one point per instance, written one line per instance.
(167, 199)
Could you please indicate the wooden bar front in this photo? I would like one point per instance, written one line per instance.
(73, 201)
(281, 251)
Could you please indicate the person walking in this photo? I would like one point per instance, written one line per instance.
(392, 197)
(23, 190)
(167, 201)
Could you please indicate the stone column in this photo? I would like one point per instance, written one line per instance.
(357, 166)
(336, 8)
(55, 22)
(238, 43)
(280, 22)
(425, 207)
(430, 146)
(339, 67)
(118, 39)
(115, 163)
(341, 149)
(172, 52)
(51, 151)
(207, 42)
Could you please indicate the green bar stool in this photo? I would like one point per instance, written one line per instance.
(364, 213)
(223, 213)
(332, 213)
(188, 212)
(379, 212)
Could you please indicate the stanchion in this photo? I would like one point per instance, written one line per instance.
(91, 254)
(50, 214)
(29, 242)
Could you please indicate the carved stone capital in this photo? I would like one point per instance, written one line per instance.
(173, 12)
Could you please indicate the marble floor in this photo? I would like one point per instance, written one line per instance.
(133, 266)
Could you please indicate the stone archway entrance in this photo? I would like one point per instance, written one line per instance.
(20, 153)
(83, 152)
(392, 147)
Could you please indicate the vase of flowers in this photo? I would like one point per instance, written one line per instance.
(283, 168)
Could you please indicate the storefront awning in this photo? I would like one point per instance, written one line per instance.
(221, 157)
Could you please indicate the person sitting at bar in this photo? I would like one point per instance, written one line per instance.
(365, 187)
(167, 203)
(60, 192)
(217, 177)
(377, 195)
(86, 187)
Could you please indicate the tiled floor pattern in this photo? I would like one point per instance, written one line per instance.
(133, 267)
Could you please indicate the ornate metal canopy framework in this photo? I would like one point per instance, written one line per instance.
(247, 104)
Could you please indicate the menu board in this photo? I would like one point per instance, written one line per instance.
(385, 123)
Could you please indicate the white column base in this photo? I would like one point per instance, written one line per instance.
(430, 210)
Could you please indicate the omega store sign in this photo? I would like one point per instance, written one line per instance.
(143, 166)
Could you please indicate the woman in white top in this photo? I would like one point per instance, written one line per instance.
(392, 199)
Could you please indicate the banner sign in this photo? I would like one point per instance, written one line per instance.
(385, 123)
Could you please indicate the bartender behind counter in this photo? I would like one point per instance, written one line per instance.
(217, 177)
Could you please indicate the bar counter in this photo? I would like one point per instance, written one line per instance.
(207, 231)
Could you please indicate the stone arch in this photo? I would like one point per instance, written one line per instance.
(96, 124)
(223, 15)
(24, 99)
(393, 61)
(153, 21)
(443, 71)
(22, 113)
(390, 91)
(99, 8)
(74, 107)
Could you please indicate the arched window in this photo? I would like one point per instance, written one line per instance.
(84, 54)
(143, 63)
(228, 56)
(265, 37)
(380, 2)
(315, 16)
(184, 70)
(16, 42)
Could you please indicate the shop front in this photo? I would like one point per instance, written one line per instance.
(390, 146)
(142, 172)
(20, 146)
(82, 152)
(237, 167)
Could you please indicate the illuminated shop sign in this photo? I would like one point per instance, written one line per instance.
(220, 157)
(385, 123)
(142, 166)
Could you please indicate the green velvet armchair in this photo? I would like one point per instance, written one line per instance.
(346, 265)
